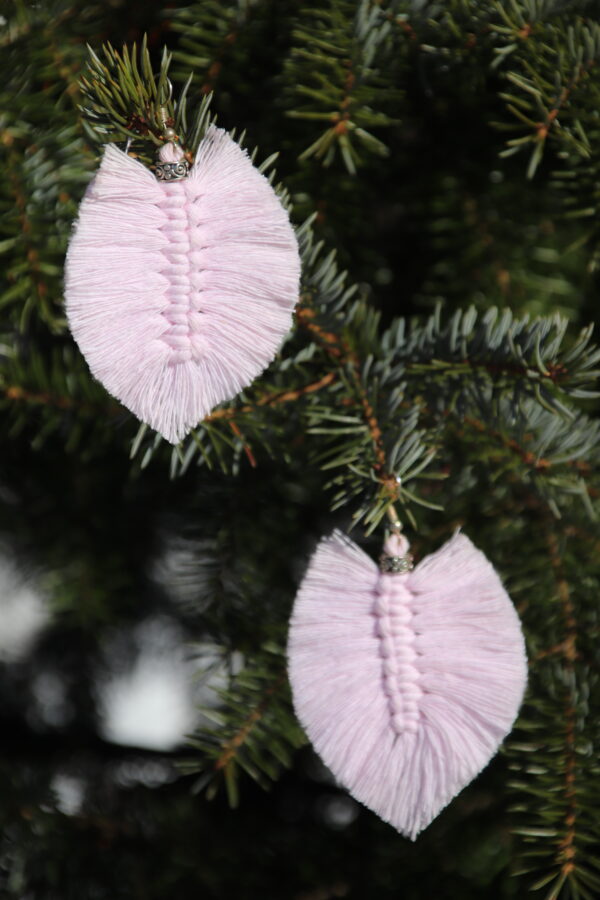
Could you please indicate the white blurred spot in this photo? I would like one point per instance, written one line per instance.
(51, 705)
(151, 704)
(152, 773)
(69, 792)
(338, 811)
(23, 612)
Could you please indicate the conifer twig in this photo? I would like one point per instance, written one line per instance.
(231, 747)
(568, 851)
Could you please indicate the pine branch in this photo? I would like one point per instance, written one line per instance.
(272, 399)
(209, 31)
(532, 355)
(44, 394)
(553, 750)
(377, 460)
(253, 729)
(534, 447)
(334, 67)
(46, 168)
(125, 100)
(518, 377)
(40, 288)
(544, 78)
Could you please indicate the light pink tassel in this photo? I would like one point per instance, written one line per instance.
(180, 293)
(406, 683)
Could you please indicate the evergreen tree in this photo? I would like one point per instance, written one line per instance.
(441, 162)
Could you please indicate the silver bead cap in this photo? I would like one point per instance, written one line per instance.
(172, 171)
(395, 565)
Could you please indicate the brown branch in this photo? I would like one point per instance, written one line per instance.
(333, 343)
(271, 399)
(373, 427)
(342, 117)
(539, 464)
(230, 748)
(400, 22)
(564, 595)
(529, 458)
(287, 396)
(342, 354)
(21, 395)
(406, 27)
(543, 128)
(14, 392)
(567, 846)
(553, 373)
(17, 393)
(568, 849)
(562, 647)
(246, 446)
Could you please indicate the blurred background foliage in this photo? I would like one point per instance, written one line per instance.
(442, 161)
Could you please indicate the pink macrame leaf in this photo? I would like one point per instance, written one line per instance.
(180, 293)
(406, 684)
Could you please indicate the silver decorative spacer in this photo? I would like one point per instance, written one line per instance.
(172, 171)
(396, 565)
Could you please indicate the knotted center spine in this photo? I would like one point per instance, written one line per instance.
(397, 649)
(177, 270)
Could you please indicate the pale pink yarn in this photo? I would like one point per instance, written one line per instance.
(180, 293)
(406, 684)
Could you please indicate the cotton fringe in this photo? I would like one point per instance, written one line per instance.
(406, 684)
(179, 293)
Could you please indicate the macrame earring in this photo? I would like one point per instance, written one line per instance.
(405, 679)
(180, 285)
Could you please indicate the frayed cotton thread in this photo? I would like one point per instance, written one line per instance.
(406, 684)
(179, 294)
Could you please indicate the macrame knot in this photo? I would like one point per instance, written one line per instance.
(396, 647)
